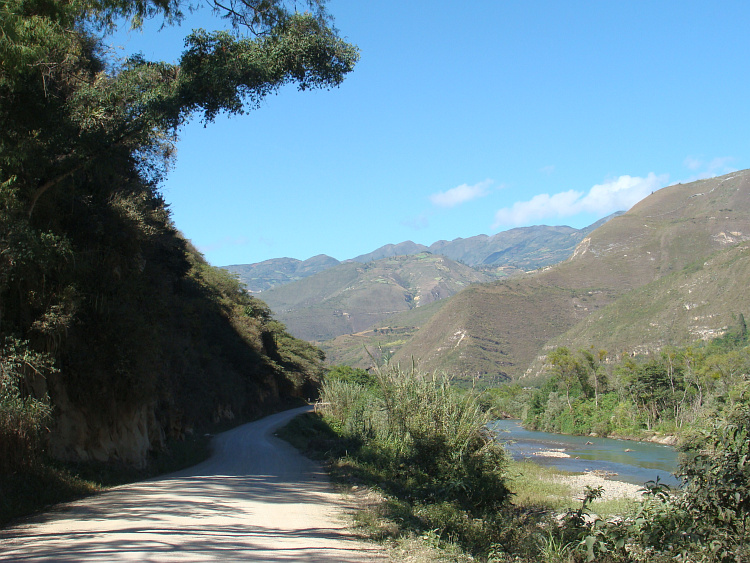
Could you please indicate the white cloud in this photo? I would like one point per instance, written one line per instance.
(461, 194)
(708, 169)
(602, 199)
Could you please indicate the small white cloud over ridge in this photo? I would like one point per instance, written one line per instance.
(461, 194)
(602, 199)
(709, 169)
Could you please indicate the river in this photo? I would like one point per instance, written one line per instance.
(632, 462)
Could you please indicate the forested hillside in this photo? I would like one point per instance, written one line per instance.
(114, 332)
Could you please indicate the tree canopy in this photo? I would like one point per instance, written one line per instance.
(67, 108)
(92, 269)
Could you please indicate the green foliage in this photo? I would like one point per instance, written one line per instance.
(508, 400)
(422, 442)
(701, 391)
(668, 393)
(22, 416)
(716, 500)
(95, 280)
(705, 522)
(355, 376)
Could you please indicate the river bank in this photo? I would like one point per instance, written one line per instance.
(613, 459)
(663, 439)
(612, 489)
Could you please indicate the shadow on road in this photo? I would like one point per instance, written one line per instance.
(213, 512)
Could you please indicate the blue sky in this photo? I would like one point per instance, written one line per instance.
(466, 118)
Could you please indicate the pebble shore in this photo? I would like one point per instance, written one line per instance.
(612, 489)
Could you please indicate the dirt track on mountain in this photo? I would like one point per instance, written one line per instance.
(255, 499)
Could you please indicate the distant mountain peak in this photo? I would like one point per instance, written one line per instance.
(521, 248)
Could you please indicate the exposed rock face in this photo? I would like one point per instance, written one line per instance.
(126, 434)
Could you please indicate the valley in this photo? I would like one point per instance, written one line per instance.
(144, 391)
(667, 272)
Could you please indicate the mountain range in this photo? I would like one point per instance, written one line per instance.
(515, 250)
(353, 296)
(671, 270)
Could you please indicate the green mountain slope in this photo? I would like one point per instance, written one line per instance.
(279, 271)
(512, 251)
(352, 297)
(501, 328)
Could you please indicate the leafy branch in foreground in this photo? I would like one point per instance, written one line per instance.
(22, 416)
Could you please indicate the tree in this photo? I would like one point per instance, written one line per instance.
(66, 110)
(81, 131)
(89, 258)
(742, 327)
(592, 362)
(571, 372)
(654, 388)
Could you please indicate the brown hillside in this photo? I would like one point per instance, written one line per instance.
(699, 302)
(505, 325)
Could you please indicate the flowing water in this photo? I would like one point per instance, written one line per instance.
(633, 462)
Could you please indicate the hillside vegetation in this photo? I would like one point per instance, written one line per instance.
(675, 392)
(699, 302)
(352, 297)
(499, 329)
(378, 343)
(115, 334)
(422, 445)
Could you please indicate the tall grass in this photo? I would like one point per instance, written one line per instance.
(429, 439)
(426, 445)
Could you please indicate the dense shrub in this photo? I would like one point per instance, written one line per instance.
(428, 441)
(707, 521)
(22, 417)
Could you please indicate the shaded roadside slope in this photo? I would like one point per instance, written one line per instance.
(255, 499)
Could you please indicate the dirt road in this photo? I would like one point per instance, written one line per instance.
(255, 499)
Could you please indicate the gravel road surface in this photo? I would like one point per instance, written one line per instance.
(255, 499)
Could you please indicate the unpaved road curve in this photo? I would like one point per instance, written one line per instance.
(255, 499)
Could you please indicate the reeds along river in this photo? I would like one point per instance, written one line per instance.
(629, 461)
